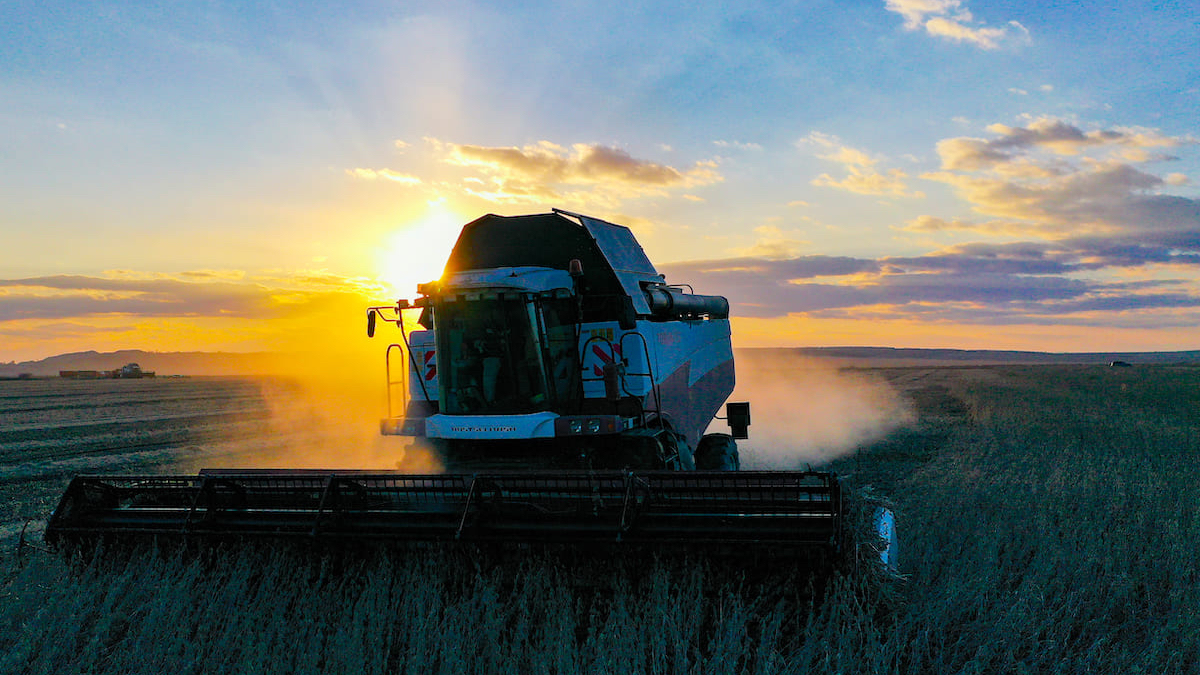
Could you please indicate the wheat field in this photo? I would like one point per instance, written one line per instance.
(1049, 519)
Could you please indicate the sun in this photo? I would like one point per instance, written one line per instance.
(417, 251)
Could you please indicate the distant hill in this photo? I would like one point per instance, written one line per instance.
(228, 363)
(890, 356)
(163, 363)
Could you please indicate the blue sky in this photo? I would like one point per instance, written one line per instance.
(941, 173)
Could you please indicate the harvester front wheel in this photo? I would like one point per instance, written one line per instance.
(717, 452)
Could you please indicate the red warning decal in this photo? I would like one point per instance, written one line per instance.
(605, 357)
(430, 366)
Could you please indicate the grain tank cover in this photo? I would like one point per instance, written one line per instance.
(613, 261)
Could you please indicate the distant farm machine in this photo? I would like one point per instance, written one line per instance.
(566, 389)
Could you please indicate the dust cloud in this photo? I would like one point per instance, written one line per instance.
(329, 419)
(806, 411)
(323, 411)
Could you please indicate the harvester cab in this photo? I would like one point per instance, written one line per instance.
(567, 389)
(551, 341)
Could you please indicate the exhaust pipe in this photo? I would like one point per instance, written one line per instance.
(670, 303)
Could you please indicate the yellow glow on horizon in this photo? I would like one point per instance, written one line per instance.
(798, 331)
(335, 330)
(417, 251)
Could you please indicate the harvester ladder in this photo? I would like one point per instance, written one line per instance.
(649, 374)
(655, 395)
(403, 381)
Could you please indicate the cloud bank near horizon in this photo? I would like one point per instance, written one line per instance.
(189, 294)
(1071, 226)
(1075, 230)
(199, 310)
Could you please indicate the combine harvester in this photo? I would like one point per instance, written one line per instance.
(566, 388)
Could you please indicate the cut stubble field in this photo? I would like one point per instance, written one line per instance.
(1050, 519)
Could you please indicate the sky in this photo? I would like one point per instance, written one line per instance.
(908, 173)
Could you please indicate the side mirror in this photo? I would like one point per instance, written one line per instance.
(370, 323)
(738, 416)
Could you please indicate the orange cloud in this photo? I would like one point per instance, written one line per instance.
(896, 330)
(1055, 136)
(861, 175)
(192, 311)
(1054, 180)
(868, 182)
(387, 174)
(582, 174)
(928, 223)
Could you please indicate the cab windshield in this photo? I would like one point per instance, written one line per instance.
(490, 358)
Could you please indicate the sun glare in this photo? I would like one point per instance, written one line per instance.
(417, 251)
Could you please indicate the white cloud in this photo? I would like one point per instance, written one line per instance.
(737, 145)
(986, 38)
(915, 11)
(951, 20)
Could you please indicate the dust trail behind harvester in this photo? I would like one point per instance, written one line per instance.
(333, 420)
(330, 412)
(324, 414)
(808, 411)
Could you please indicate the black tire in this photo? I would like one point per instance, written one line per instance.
(717, 452)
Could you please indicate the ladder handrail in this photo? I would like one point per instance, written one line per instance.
(403, 381)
